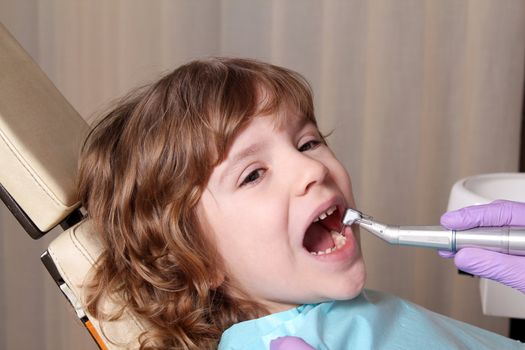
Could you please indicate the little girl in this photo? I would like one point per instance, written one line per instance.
(219, 203)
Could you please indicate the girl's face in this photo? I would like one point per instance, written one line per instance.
(260, 205)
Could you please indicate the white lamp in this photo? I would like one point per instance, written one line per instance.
(496, 299)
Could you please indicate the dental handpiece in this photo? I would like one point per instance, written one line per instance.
(504, 239)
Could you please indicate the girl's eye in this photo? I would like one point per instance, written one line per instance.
(252, 177)
(309, 145)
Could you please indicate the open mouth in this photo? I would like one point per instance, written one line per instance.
(324, 235)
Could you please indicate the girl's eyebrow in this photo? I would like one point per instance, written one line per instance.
(246, 152)
(302, 123)
(235, 158)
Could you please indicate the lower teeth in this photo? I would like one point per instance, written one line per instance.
(339, 240)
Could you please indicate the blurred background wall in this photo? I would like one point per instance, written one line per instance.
(419, 94)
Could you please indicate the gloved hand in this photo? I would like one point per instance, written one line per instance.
(289, 343)
(506, 269)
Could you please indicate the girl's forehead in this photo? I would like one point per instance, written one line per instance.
(284, 118)
(265, 126)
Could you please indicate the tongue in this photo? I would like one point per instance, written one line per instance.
(317, 238)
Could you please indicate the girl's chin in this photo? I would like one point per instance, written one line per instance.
(347, 292)
(352, 286)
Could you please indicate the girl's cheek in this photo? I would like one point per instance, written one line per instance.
(342, 176)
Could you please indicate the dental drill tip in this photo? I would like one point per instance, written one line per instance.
(351, 215)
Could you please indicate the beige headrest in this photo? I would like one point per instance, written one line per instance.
(40, 137)
(74, 252)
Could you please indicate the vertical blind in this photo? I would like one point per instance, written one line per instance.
(418, 94)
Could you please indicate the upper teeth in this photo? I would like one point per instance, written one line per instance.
(323, 215)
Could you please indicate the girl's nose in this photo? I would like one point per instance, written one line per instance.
(309, 172)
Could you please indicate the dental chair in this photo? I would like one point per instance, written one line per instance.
(40, 138)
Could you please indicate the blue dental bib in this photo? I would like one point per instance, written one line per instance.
(373, 320)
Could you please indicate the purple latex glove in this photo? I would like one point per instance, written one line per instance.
(289, 343)
(506, 269)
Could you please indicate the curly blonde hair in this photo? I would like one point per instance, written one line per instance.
(142, 171)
